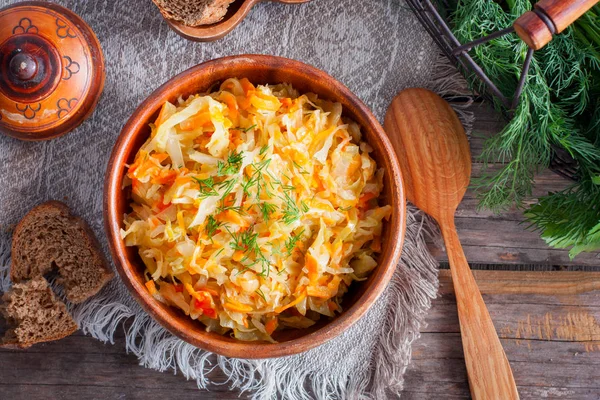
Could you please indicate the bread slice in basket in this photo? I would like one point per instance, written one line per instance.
(193, 12)
(50, 238)
(35, 314)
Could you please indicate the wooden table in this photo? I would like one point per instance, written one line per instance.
(548, 321)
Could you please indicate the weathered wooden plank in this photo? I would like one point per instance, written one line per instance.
(60, 370)
(93, 392)
(548, 324)
(527, 287)
(479, 253)
(437, 377)
(504, 239)
(447, 346)
(526, 392)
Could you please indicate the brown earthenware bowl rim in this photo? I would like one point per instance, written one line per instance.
(216, 31)
(239, 349)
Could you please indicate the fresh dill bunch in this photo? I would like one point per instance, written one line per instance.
(559, 108)
(570, 218)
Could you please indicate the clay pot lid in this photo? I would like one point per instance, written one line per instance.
(51, 70)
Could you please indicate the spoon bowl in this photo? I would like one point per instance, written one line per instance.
(437, 167)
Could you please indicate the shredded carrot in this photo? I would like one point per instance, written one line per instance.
(237, 307)
(376, 244)
(160, 156)
(233, 217)
(238, 255)
(210, 291)
(196, 121)
(332, 306)
(365, 198)
(243, 102)
(235, 138)
(312, 266)
(161, 205)
(151, 287)
(230, 100)
(165, 177)
(247, 86)
(271, 325)
(334, 285)
(298, 299)
(180, 220)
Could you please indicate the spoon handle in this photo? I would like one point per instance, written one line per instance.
(490, 376)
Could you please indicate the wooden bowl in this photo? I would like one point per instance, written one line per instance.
(258, 69)
(236, 13)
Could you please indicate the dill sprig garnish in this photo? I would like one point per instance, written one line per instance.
(248, 129)
(211, 226)
(257, 179)
(300, 168)
(218, 252)
(266, 209)
(261, 294)
(228, 185)
(206, 187)
(237, 209)
(246, 241)
(232, 165)
(291, 212)
(304, 207)
(290, 244)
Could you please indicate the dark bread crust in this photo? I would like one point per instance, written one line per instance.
(50, 237)
(193, 12)
(35, 314)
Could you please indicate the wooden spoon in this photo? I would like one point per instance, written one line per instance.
(435, 160)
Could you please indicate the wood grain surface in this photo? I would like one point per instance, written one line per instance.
(549, 325)
(435, 159)
(536, 32)
(505, 238)
(564, 12)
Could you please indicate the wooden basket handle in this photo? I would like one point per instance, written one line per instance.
(548, 18)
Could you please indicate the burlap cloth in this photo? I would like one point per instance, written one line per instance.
(375, 47)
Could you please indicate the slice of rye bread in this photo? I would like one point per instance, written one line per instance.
(49, 238)
(194, 12)
(35, 315)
